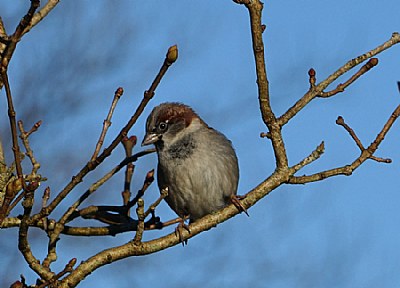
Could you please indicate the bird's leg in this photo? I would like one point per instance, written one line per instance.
(235, 199)
(178, 230)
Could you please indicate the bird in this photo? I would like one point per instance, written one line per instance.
(197, 163)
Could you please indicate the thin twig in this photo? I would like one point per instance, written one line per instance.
(340, 121)
(129, 144)
(152, 207)
(365, 155)
(67, 269)
(107, 123)
(10, 193)
(341, 87)
(147, 182)
(13, 123)
(318, 89)
(24, 137)
(46, 9)
(17, 35)
(310, 158)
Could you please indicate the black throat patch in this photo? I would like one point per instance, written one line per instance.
(183, 148)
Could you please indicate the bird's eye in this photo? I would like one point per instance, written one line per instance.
(162, 126)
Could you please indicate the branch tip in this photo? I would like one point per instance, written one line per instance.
(371, 63)
(340, 120)
(172, 54)
(263, 27)
(311, 72)
(119, 92)
(265, 135)
(150, 176)
(129, 143)
(312, 79)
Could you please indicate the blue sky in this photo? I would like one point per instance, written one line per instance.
(341, 232)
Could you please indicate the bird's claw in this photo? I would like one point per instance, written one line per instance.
(179, 230)
(235, 199)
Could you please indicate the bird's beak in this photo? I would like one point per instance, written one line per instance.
(150, 138)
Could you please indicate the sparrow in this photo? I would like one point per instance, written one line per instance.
(196, 163)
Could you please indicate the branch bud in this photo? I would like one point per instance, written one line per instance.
(172, 54)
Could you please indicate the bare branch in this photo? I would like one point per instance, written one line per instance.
(366, 153)
(340, 88)
(318, 89)
(24, 137)
(255, 10)
(310, 158)
(140, 228)
(14, 136)
(128, 144)
(23, 244)
(47, 8)
(17, 35)
(107, 122)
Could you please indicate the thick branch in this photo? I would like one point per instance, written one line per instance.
(210, 221)
(255, 10)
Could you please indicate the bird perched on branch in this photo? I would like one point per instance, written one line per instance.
(197, 163)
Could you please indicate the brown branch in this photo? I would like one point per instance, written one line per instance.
(140, 228)
(341, 87)
(119, 223)
(24, 137)
(147, 182)
(13, 123)
(171, 57)
(318, 89)
(5, 60)
(366, 153)
(46, 9)
(129, 144)
(11, 190)
(23, 244)
(340, 121)
(255, 10)
(312, 78)
(110, 230)
(10, 194)
(152, 207)
(107, 123)
(15, 187)
(67, 269)
(310, 158)
(16, 36)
